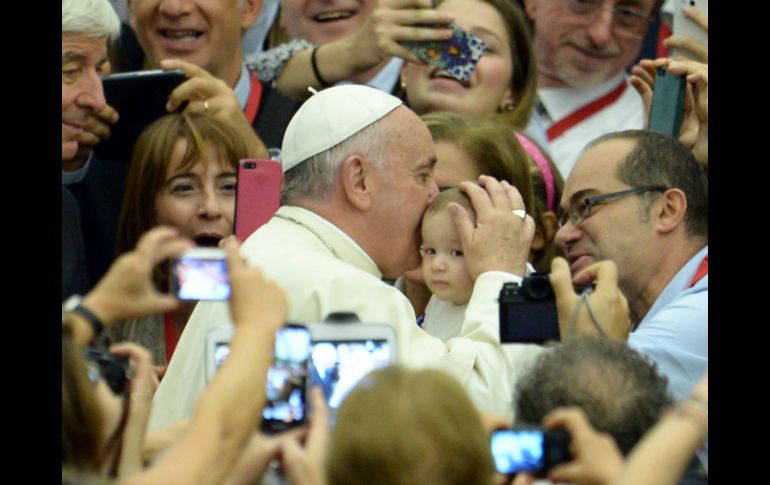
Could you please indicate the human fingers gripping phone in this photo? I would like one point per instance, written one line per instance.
(667, 103)
(140, 98)
(685, 26)
(456, 57)
(531, 450)
(286, 383)
(201, 274)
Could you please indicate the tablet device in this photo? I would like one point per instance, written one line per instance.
(341, 354)
(140, 98)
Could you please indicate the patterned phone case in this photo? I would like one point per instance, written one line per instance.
(458, 55)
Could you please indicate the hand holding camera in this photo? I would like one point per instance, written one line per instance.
(127, 290)
(606, 310)
(595, 457)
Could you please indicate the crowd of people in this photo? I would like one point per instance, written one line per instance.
(409, 197)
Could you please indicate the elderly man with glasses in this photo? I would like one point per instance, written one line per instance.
(583, 48)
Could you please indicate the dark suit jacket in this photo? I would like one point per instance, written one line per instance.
(74, 279)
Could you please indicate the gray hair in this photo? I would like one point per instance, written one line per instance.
(620, 390)
(315, 177)
(93, 18)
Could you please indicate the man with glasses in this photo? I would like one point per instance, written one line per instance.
(583, 48)
(640, 199)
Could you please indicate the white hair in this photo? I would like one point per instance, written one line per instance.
(94, 18)
(315, 177)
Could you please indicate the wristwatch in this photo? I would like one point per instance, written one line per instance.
(73, 305)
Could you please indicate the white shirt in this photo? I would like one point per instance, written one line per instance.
(626, 113)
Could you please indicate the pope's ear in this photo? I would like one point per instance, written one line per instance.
(356, 179)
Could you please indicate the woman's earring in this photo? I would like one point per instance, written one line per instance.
(509, 106)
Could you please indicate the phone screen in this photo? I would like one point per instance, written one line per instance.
(337, 366)
(287, 379)
(518, 450)
(201, 277)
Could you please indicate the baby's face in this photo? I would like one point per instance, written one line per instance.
(443, 263)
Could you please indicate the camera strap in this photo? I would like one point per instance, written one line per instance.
(583, 300)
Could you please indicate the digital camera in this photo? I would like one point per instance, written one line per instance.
(113, 368)
(528, 311)
(531, 450)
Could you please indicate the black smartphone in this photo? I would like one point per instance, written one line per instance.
(286, 394)
(667, 103)
(200, 274)
(528, 311)
(140, 98)
(531, 450)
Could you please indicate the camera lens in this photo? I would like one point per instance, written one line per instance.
(250, 165)
(537, 287)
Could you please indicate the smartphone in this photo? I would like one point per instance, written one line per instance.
(258, 195)
(200, 274)
(343, 353)
(531, 450)
(667, 103)
(456, 57)
(140, 98)
(287, 380)
(686, 27)
(286, 383)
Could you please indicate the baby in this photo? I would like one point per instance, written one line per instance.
(443, 267)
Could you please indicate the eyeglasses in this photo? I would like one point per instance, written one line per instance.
(629, 21)
(582, 211)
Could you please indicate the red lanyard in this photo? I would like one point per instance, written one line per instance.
(564, 124)
(255, 94)
(169, 331)
(703, 270)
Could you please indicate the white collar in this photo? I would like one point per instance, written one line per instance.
(560, 102)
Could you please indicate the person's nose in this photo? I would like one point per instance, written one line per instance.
(433, 191)
(600, 28)
(438, 264)
(175, 8)
(566, 235)
(91, 95)
(210, 207)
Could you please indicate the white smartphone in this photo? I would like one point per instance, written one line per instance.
(683, 26)
(201, 274)
(342, 353)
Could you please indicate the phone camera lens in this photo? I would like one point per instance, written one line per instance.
(250, 165)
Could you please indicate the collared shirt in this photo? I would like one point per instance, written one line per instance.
(626, 113)
(674, 332)
(75, 176)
